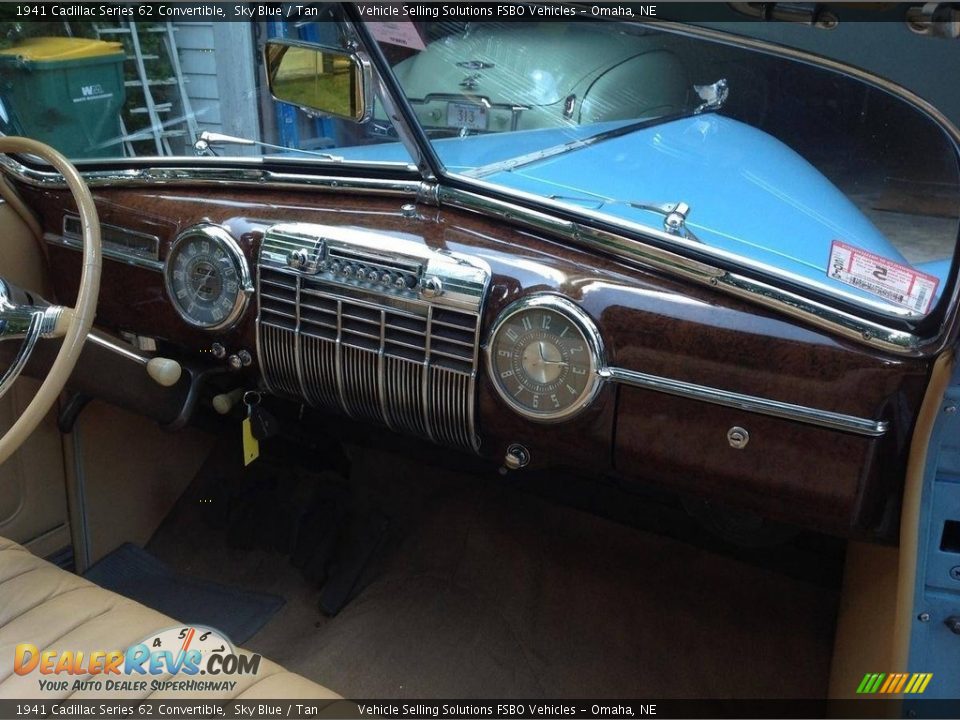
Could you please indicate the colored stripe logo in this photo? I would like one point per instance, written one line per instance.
(894, 683)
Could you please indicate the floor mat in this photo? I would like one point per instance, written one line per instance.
(493, 592)
(134, 573)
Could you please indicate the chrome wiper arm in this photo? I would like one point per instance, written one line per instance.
(563, 148)
(206, 141)
(675, 217)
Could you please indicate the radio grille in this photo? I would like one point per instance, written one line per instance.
(408, 364)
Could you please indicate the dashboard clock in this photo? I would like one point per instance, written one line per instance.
(544, 357)
(207, 277)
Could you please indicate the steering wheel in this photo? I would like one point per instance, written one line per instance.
(20, 317)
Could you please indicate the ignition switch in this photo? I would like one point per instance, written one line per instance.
(517, 457)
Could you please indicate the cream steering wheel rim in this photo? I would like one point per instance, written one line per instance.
(73, 323)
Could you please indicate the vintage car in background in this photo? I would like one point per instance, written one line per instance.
(516, 77)
(516, 356)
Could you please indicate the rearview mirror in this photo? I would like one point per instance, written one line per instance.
(320, 79)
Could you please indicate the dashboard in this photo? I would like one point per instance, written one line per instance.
(499, 341)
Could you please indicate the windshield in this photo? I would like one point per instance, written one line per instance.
(789, 167)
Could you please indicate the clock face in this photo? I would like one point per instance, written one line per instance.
(544, 357)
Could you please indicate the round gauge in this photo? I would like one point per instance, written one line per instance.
(544, 358)
(207, 277)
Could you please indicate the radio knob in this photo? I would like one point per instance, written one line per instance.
(430, 287)
(298, 259)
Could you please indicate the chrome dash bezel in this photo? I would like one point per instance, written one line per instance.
(221, 236)
(591, 337)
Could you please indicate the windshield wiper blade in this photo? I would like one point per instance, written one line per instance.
(563, 148)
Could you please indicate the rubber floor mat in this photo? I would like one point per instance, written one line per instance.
(134, 573)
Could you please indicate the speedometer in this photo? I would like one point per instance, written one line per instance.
(545, 357)
(207, 277)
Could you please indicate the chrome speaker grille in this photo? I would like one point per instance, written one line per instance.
(375, 350)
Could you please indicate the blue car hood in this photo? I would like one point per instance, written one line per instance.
(749, 194)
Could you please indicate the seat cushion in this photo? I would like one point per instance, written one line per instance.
(53, 609)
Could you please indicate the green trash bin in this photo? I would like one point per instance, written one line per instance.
(67, 92)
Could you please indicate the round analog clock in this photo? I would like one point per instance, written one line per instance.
(207, 277)
(544, 358)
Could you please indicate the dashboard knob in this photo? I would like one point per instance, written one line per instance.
(373, 275)
(164, 371)
(347, 270)
(517, 457)
(400, 283)
(335, 267)
(297, 259)
(218, 351)
(431, 287)
(235, 362)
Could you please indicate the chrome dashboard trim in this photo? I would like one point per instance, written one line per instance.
(107, 252)
(74, 241)
(750, 403)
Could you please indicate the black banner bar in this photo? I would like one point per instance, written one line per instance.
(439, 10)
(467, 709)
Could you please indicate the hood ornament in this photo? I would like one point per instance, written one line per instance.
(475, 65)
(470, 81)
(713, 96)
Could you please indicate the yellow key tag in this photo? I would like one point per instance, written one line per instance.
(251, 446)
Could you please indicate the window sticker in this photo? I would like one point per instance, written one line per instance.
(397, 33)
(893, 281)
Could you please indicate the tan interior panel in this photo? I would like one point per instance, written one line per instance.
(866, 615)
(133, 471)
(32, 496)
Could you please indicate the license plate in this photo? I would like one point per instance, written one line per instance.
(467, 115)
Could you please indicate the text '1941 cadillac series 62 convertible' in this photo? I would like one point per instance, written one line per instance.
(470, 355)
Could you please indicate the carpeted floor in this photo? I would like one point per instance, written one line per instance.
(483, 590)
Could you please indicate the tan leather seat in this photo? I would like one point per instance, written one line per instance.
(56, 610)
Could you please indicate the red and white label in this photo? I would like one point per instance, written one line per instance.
(402, 33)
(893, 281)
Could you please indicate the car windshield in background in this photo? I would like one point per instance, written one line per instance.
(815, 175)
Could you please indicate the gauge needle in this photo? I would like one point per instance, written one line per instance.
(545, 361)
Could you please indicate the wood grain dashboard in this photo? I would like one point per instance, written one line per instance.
(822, 478)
